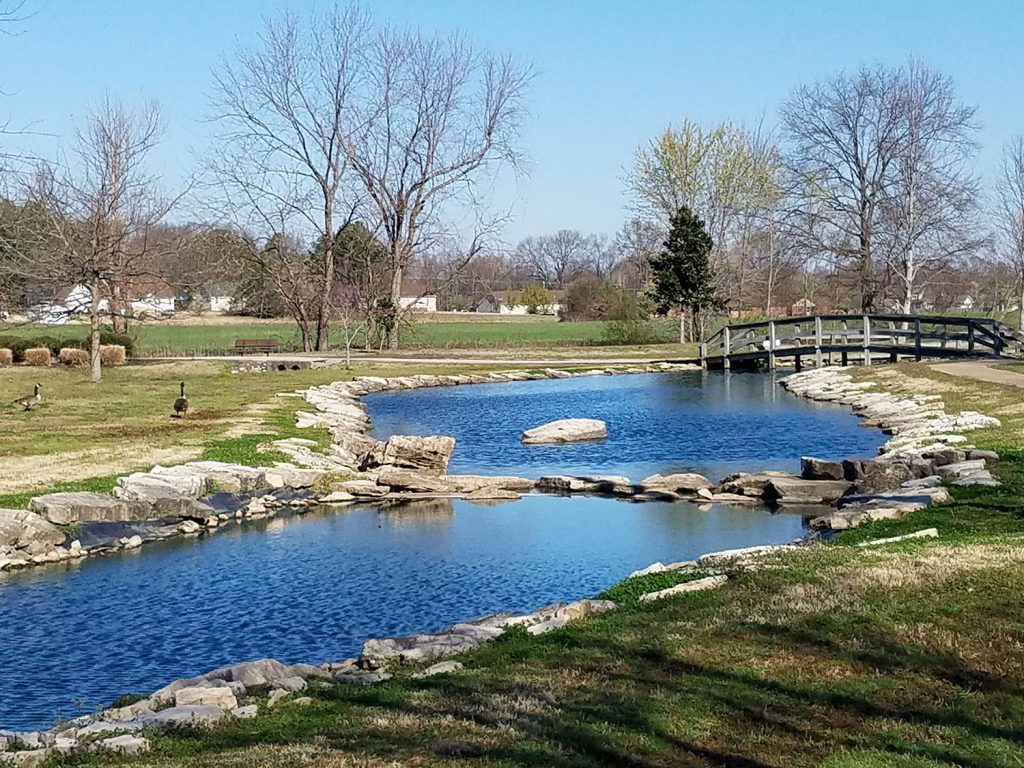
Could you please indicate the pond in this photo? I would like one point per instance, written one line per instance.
(313, 588)
(675, 422)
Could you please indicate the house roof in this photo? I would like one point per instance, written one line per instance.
(416, 288)
(135, 290)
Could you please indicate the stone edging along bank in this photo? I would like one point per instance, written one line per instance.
(196, 497)
(927, 446)
(925, 439)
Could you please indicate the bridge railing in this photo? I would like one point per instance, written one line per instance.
(861, 335)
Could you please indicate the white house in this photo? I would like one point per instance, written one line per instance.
(497, 303)
(220, 297)
(419, 303)
(417, 296)
(156, 299)
(150, 299)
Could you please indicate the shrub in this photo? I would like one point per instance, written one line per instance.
(114, 339)
(73, 356)
(19, 345)
(111, 338)
(628, 320)
(588, 298)
(112, 354)
(6, 357)
(38, 356)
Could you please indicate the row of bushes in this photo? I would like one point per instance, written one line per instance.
(19, 345)
(110, 354)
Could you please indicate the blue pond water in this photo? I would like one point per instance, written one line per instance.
(713, 424)
(73, 637)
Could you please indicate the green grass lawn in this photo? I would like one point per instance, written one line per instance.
(157, 338)
(83, 431)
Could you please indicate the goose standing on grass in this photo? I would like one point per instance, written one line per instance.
(28, 401)
(181, 404)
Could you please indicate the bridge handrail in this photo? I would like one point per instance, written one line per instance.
(882, 331)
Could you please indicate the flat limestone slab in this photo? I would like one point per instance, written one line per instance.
(566, 431)
(82, 506)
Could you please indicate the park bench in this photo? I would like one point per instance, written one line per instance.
(255, 346)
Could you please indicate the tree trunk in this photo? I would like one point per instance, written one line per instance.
(1020, 317)
(95, 368)
(682, 326)
(396, 297)
(118, 309)
(323, 314)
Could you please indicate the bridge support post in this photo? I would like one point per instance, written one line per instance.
(817, 342)
(970, 338)
(771, 345)
(917, 339)
(703, 355)
(726, 344)
(867, 340)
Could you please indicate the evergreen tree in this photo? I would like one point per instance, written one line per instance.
(681, 272)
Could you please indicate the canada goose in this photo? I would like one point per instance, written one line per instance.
(29, 400)
(181, 404)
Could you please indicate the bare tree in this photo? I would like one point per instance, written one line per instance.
(556, 260)
(88, 221)
(721, 173)
(636, 242)
(1010, 215)
(436, 117)
(844, 135)
(930, 211)
(285, 113)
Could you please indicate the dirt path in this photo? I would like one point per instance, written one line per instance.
(981, 371)
(546, 362)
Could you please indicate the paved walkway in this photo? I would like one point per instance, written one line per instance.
(993, 373)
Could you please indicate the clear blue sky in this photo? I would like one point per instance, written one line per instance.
(610, 74)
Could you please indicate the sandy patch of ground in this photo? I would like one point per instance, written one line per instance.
(252, 423)
(29, 472)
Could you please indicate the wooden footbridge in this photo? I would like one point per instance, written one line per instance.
(857, 339)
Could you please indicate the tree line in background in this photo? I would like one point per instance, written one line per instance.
(348, 175)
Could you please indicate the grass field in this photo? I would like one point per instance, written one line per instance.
(84, 431)
(177, 338)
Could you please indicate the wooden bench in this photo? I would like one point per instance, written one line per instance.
(255, 346)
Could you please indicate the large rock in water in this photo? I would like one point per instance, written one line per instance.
(429, 455)
(810, 491)
(820, 469)
(566, 431)
(20, 528)
(681, 482)
(80, 507)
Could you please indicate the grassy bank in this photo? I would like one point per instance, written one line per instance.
(907, 655)
(83, 433)
(425, 333)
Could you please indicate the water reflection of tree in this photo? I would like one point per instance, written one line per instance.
(419, 513)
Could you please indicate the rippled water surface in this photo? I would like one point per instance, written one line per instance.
(313, 588)
(713, 424)
(73, 637)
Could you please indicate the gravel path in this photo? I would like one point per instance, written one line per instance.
(982, 371)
